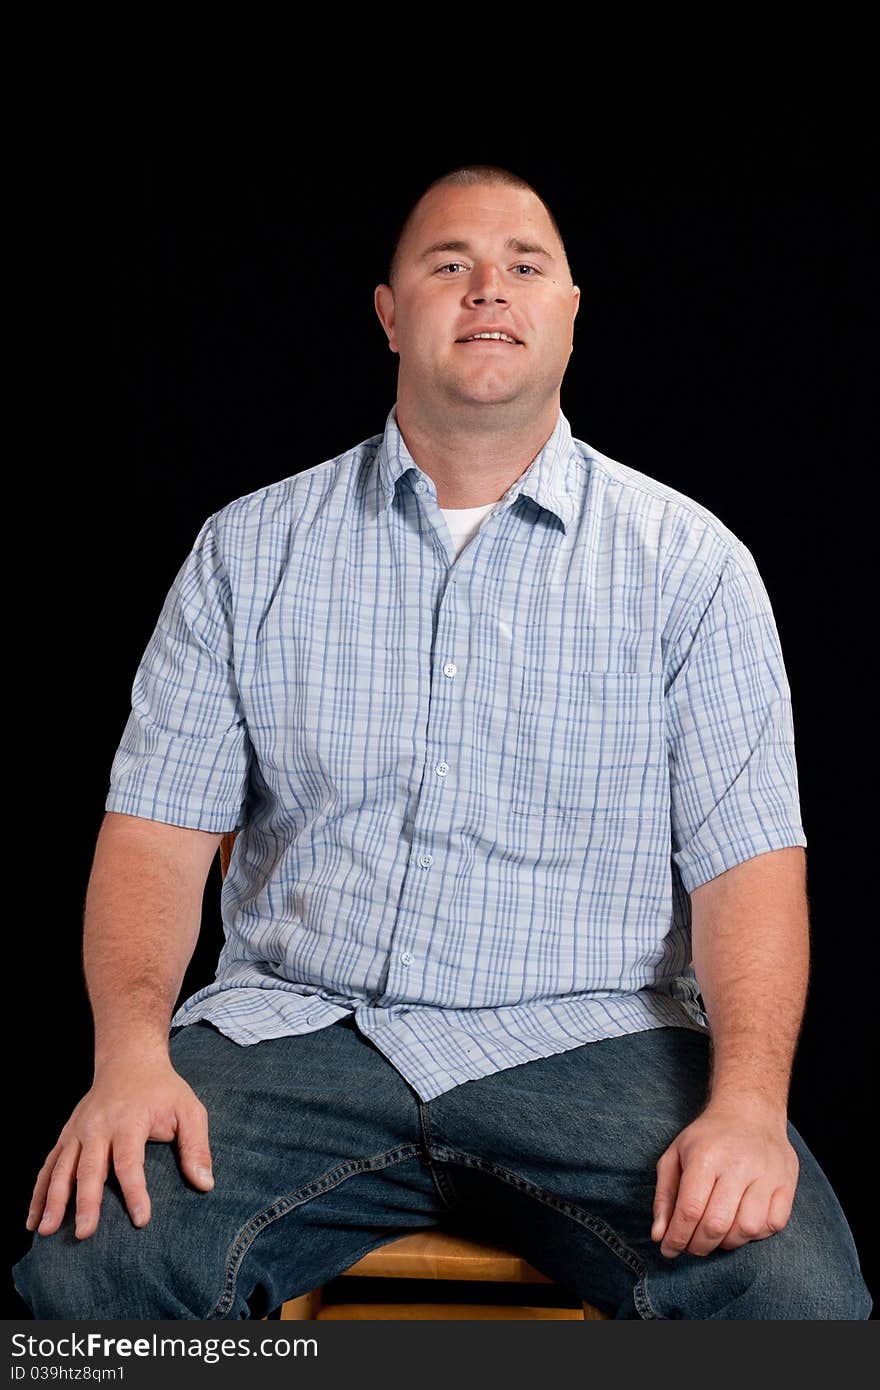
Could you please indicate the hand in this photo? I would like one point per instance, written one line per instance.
(728, 1178)
(130, 1102)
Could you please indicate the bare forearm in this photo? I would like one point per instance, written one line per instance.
(751, 950)
(142, 917)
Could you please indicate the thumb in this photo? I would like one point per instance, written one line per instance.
(195, 1152)
(666, 1192)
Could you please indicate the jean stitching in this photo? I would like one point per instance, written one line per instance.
(441, 1181)
(644, 1307)
(283, 1205)
(595, 1224)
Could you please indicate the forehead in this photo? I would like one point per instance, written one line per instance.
(478, 210)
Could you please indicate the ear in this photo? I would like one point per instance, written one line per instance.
(383, 299)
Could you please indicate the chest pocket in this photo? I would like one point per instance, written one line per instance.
(589, 743)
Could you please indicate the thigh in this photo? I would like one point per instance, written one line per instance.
(316, 1155)
(558, 1156)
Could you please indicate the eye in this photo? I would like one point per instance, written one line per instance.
(523, 266)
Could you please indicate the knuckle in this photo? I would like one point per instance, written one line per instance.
(691, 1211)
(189, 1145)
(88, 1170)
(751, 1230)
(58, 1158)
(127, 1162)
(714, 1230)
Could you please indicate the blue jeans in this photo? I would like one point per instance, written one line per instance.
(323, 1152)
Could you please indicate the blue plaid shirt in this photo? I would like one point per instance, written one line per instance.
(473, 790)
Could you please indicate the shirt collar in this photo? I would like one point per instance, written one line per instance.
(550, 479)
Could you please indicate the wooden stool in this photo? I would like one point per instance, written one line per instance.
(436, 1254)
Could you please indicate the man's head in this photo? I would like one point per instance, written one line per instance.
(479, 250)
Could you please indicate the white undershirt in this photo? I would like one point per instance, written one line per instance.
(465, 522)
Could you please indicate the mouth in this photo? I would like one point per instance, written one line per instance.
(486, 343)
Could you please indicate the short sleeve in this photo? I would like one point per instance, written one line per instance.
(730, 731)
(184, 756)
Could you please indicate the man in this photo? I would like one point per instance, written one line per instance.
(505, 731)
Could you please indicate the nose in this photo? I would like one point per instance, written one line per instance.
(484, 285)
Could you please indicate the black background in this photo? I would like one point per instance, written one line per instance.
(723, 346)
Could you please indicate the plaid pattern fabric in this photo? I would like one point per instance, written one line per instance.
(473, 790)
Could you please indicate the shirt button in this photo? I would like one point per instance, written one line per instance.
(421, 487)
(441, 769)
(426, 860)
(407, 958)
(313, 1018)
(450, 669)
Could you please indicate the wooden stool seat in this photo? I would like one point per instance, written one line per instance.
(436, 1254)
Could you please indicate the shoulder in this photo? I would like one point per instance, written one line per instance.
(271, 512)
(643, 494)
(692, 543)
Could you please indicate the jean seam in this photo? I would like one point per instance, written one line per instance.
(594, 1224)
(282, 1206)
(441, 1180)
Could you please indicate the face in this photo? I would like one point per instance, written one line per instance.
(445, 294)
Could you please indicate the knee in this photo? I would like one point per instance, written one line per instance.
(810, 1269)
(793, 1280)
(57, 1278)
(824, 1294)
(121, 1271)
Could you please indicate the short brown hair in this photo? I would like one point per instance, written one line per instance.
(469, 174)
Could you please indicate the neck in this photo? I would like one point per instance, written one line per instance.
(472, 468)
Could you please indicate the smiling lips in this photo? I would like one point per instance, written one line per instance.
(488, 342)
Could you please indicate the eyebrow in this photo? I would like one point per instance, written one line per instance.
(525, 248)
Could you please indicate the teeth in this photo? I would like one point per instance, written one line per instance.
(503, 336)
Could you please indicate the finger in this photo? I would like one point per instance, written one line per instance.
(60, 1188)
(717, 1220)
(193, 1146)
(91, 1174)
(752, 1219)
(693, 1193)
(781, 1204)
(128, 1162)
(668, 1179)
(41, 1187)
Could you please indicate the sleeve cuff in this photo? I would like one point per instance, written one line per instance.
(180, 812)
(698, 865)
